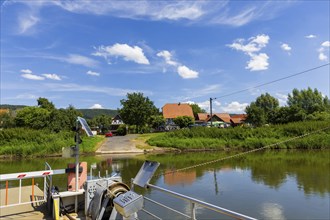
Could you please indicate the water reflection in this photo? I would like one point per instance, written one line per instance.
(272, 211)
(266, 185)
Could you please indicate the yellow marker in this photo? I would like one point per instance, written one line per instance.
(57, 216)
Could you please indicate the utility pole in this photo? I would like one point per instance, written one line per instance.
(211, 111)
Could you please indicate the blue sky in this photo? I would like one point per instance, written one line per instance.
(91, 53)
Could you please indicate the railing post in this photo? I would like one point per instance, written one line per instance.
(19, 191)
(192, 210)
(32, 189)
(6, 203)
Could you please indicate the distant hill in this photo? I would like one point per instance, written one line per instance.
(91, 113)
(12, 107)
(87, 113)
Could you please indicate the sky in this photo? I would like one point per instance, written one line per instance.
(91, 53)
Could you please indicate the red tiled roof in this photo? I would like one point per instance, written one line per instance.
(223, 116)
(203, 116)
(173, 110)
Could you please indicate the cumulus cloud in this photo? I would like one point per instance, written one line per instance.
(258, 62)
(96, 106)
(128, 53)
(323, 57)
(255, 44)
(52, 76)
(167, 57)
(32, 76)
(28, 71)
(285, 47)
(27, 74)
(92, 73)
(187, 73)
(310, 36)
(234, 107)
(326, 44)
(282, 98)
(324, 48)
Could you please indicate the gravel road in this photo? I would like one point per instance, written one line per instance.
(119, 145)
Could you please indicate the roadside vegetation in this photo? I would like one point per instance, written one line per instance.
(44, 130)
(202, 138)
(21, 142)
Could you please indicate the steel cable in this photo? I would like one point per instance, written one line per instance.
(240, 154)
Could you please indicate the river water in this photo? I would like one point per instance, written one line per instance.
(263, 185)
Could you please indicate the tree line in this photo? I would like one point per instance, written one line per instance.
(306, 104)
(141, 115)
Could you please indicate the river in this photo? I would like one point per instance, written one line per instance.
(264, 185)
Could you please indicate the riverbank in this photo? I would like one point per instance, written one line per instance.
(20, 142)
(243, 138)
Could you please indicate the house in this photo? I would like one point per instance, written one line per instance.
(218, 119)
(237, 119)
(174, 110)
(117, 120)
(115, 123)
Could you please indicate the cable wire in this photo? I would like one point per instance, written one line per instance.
(241, 154)
(273, 81)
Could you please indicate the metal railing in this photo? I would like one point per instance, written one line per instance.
(45, 174)
(193, 205)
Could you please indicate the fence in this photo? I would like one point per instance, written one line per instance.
(28, 189)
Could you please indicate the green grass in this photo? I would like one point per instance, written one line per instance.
(203, 138)
(23, 142)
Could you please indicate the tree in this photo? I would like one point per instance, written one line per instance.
(196, 109)
(263, 110)
(156, 121)
(184, 121)
(308, 101)
(44, 103)
(137, 109)
(33, 117)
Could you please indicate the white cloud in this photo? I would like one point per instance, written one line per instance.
(286, 47)
(201, 92)
(324, 48)
(32, 76)
(187, 73)
(255, 44)
(207, 12)
(234, 107)
(129, 53)
(26, 71)
(26, 22)
(96, 106)
(92, 73)
(180, 11)
(72, 87)
(258, 62)
(206, 105)
(323, 57)
(52, 76)
(282, 98)
(167, 57)
(79, 60)
(326, 44)
(310, 36)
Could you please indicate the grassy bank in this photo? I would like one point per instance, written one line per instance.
(29, 142)
(201, 138)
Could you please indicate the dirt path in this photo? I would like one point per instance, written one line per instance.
(119, 145)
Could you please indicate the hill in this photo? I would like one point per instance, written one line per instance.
(91, 113)
(87, 113)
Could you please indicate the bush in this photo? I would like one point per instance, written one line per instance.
(121, 130)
